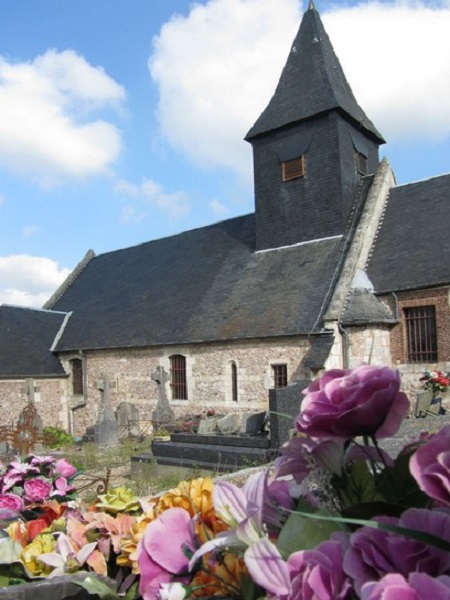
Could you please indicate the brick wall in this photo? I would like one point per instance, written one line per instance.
(411, 373)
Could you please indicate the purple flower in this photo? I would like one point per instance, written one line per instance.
(162, 551)
(62, 488)
(419, 586)
(374, 553)
(37, 489)
(19, 468)
(64, 468)
(430, 466)
(9, 481)
(319, 574)
(308, 574)
(11, 502)
(347, 403)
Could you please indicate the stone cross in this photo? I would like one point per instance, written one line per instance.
(106, 430)
(163, 413)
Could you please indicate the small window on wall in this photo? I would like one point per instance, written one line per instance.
(421, 334)
(279, 374)
(178, 382)
(77, 377)
(293, 169)
(234, 382)
(362, 166)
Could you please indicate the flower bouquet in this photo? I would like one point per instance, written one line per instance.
(437, 382)
(334, 518)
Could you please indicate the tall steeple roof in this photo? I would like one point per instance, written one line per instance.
(312, 83)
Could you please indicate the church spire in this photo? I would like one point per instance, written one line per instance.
(312, 83)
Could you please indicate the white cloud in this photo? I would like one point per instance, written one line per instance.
(29, 280)
(219, 209)
(217, 68)
(174, 204)
(44, 129)
(29, 230)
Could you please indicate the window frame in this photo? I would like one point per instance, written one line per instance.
(279, 375)
(362, 163)
(178, 377)
(77, 372)
(234, 382)
(421, 333)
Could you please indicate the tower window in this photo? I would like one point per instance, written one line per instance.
(279, 373)
(292, 169)
(421, 334)
(362, 166)
(234, 382)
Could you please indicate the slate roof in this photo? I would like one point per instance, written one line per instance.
(202, 285)
(363, 308)
(312, 82)
(26, 336)
(412, 247)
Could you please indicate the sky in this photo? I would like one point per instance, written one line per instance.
(122, 121)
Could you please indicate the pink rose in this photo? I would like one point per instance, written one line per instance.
(161, 552)
(11, 502)
(346, 403)
(62, 488)
(37, 489)
(430, 466)
(64, 468)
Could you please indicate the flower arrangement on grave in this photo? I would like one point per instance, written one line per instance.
(437, 382)
(335, 517)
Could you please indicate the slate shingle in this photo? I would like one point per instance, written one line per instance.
(203, 285)
(26, 336)
(412, 248)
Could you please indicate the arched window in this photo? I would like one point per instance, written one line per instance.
(77, 376)
(234, 382)
(178, 381)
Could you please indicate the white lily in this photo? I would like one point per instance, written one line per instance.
(66, 559)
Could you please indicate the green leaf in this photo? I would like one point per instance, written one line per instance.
(302, 533)
(398, 486)
(95, 586)
(414, 534)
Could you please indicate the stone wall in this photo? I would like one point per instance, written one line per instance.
(50, 399)
(208, 368)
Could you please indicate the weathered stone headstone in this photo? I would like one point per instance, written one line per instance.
(127, 417)
(284, 406)
(230, 424)
(253, 423)
(106, 430)
(163, 413)
(207, 426)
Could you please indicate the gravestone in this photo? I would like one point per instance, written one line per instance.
(284, 406)
(163, 413)
(126, 414)
(230, 424)
(253, 423)
(207, 426)
(106, 430)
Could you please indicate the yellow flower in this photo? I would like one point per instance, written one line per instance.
(42, 544)
(117, 500)
(128, 556)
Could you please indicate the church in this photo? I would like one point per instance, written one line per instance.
(336, 265)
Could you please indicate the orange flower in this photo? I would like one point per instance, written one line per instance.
(220, 578)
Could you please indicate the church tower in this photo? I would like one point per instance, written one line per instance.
(311, 146)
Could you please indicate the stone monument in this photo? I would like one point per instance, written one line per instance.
(163, 414)
(106, 429)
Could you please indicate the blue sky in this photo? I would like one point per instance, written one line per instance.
(122, 121)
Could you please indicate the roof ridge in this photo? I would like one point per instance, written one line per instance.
(90, 254)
